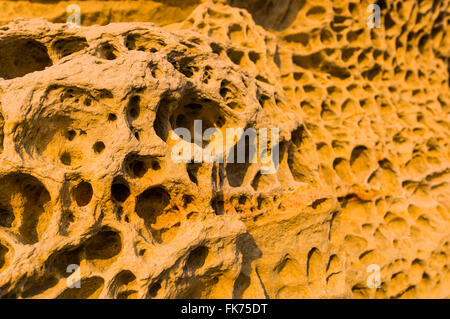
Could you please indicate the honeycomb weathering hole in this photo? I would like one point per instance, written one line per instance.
(236, 171)
(88, 174)
(108, 51)
(22, 56)
(134, 107)
(151, 204)
(197, 258)
(162, 220)
(66, 159)
(138, 166)
(83, 193)
(191, 109)
(104, 245)
(23, 198)
(68, 46)
(99, 147)
(123, 285)
(120, 190)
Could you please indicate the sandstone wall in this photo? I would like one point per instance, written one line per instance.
(87, 175)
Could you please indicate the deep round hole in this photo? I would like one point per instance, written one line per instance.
(99, 147)
(112, 117)
(197, 258)
(139, 168)
(133, 107)
(71, 135)
(107, 51)
(120, 192)
(83, 193)
(223, 92)
(155, 166)
(65, 158)
(87, 102)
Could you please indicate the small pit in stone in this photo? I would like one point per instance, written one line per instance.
(197, 258)
(66, 159)
(156, 166)
(133, 108)
(70, 135)
(99, 147)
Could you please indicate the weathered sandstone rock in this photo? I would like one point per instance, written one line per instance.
(88, 178)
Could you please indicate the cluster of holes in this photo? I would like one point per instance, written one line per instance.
(137, 166)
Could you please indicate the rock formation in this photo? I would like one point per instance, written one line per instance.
(88, 178)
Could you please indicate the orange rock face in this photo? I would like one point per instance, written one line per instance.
(94, 202)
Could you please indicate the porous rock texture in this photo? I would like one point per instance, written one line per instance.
(87, 176)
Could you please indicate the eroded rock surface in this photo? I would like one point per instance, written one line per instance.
(87, 175)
